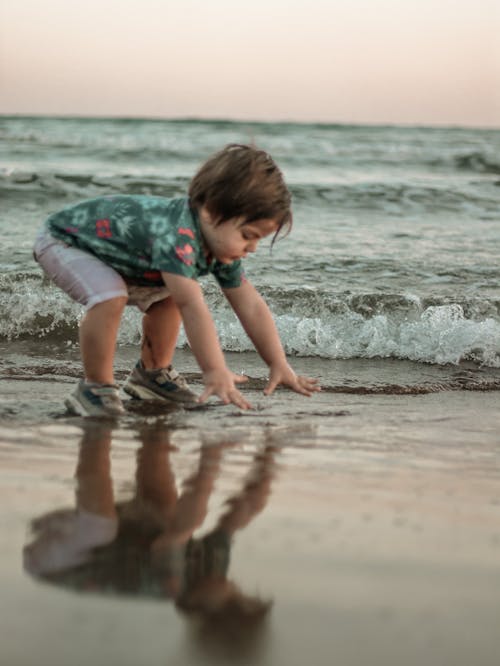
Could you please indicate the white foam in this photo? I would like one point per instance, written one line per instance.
(437, 334)
(440, 335)
(31, 310)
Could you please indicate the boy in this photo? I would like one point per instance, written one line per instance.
(148, 251)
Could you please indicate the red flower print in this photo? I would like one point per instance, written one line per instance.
(152, 275)
(184, 252)
(103, 229)
(186, 232)
(71, 230)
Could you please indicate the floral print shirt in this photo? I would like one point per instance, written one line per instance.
(140, 236)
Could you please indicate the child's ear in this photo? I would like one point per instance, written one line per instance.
(207, 216)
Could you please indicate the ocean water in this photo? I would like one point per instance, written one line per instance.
(394, 251)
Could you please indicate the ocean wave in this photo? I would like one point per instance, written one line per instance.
(391, 198)
(311, 323)
(440, 335)
(85, 185)
(329, 146)
(401, 198)
(476, 162)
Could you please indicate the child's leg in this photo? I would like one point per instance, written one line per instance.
(160, 325)
(152, 377)
(96, 286)
(155, 478)
(98, 331)
(95, 487)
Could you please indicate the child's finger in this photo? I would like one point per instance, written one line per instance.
(271, 385)
(205, 395)
(239, 379)
(240, 401)
(235, 397)
(306, 386)
(227, 397)
(310, 383)
(303, 391)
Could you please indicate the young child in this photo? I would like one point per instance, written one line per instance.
(148, 251)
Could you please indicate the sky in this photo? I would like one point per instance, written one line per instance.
(427, 62)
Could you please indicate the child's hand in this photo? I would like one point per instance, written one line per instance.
(283, 374)
(221, 382)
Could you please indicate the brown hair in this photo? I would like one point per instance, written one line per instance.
(242, 181)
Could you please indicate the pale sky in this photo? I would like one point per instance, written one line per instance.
(357, 61)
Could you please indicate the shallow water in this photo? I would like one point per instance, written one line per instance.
(364, 527)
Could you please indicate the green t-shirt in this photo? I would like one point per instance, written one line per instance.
(140, 236)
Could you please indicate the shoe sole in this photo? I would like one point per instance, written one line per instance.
(76, 408)
(142, 392)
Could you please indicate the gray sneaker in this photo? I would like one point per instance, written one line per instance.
(163, 384)
(90, 399)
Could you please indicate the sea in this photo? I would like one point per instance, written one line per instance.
(394, 251)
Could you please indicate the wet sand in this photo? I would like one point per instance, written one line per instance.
(369, 522)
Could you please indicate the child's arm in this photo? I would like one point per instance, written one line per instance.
(258, 322)
(202, 336)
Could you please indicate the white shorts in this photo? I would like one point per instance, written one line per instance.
(88, 280)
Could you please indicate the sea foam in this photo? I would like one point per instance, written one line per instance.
(399, 326)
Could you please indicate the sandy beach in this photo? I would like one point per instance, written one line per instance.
(367, 524)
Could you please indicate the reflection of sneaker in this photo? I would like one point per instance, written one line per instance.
(91, 399)
(163, 384)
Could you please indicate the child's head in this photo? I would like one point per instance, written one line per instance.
(242, 182)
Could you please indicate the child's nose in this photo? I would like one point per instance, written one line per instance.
(251, 246)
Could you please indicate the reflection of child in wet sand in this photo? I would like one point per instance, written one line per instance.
(149, 251)
(145, 546)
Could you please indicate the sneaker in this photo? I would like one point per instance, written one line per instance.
(91, 399)
(163, 384)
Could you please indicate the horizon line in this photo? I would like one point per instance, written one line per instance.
(239, 121)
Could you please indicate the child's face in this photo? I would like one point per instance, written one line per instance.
(233, 239)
